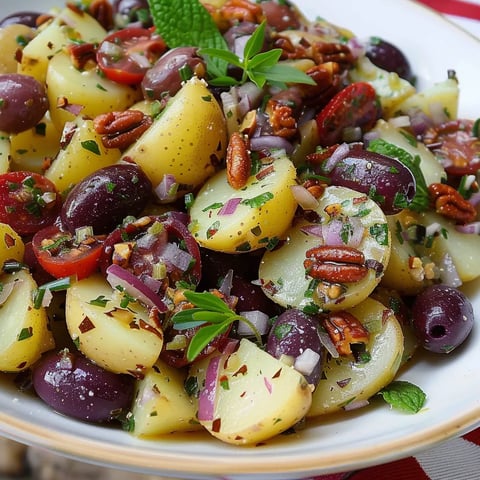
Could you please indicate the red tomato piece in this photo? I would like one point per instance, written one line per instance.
(124, 56)
(354, 106)
(61, 255)
(456, 146)
(29, 201)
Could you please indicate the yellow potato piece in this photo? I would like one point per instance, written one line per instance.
(119, 339)
(264, 209)
(161, 403)
(282, 272)
(257, 397)
(187, 140)
(11, 244)
(345, 381)
(25, 333)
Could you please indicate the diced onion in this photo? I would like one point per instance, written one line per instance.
(258, 319)
(306, 361)
(206, 398)
(448, 272)
(356, 405)
(270, 142)
(166, 190)
(339, 153)
(230, 206)
(118, 276)
(6, 291)
(173, 255)
(473, 227)
(304, 198)
(328, 344)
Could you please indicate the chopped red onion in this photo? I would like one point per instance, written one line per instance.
(206, 398)
(166, 190)
(73, 108)
(139, 59)
(328, 344)
(306, 361)
(356, 404)
(227, 282)
(419, 121)
(314, 229)
(250, 97)
(172, 254)
(47, 297)
(473, 228)
(448, 272)
(357, 47)
(270, 142)
(339, 153)
(475, 199)
(304, 198)
(230, 206)
(6, 291)
(258, 319)
(118, 276)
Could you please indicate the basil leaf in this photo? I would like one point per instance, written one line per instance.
(404, 396)
(254, 44)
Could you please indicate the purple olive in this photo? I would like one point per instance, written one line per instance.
(104, 198)
(292, 333)
(385, 179)
(165, 77)
(442, 318)
(387, 56)
(73, 385)
(23, 102)
(24, 18)
(281, 15)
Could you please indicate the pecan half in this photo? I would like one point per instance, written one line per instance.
(281, 119)
(344, 329)
(238, 161)
(121, 129)
(450, 203)
(81, 54)
(235, 11)
(336, 264)
(102, 11)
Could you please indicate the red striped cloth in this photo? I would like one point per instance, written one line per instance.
(459, 8)
(458, 458)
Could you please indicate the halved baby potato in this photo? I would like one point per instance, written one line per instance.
(283, 276)
(345, 380)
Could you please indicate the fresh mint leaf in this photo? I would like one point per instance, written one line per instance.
(254, 44)
(207, 301)
(404, 396)
(183, 23)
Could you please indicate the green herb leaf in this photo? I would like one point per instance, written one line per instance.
(187, 23)
(404, 396)
(207, 301)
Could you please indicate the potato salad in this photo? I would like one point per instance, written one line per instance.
(223, 216)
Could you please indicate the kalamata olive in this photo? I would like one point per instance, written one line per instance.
(24, 18)
(165, 77)
(292, 334)
(73, 385)
(442, 318)
(386, 180)
(389, 57)
(23, 102)
(104, 198)
(280, 15)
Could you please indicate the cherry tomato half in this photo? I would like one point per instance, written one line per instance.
(124, 56)
(28, 201)
(61, 254)
(354, 106)
(456, 146)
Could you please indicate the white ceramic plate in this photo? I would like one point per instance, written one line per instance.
(357, 439)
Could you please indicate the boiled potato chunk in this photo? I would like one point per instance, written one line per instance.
(11, 244)
(282, 273)
(161, 403)
(68, 26)
(9, 36)
(96, 94)
(344, 380)
(431, 168)
(83, 155)
(256, 397)
(24, 329)
(186, 140)
(442, 96)
(119, 339)
(263, 209)
(4, 152)
(391, 89)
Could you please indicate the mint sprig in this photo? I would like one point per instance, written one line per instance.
(404, 396)
(187, 23)
(421, 200)
(212, 315)
(257, 66)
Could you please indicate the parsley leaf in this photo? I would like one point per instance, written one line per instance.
(404, 396)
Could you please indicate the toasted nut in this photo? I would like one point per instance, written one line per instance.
(345, 329)
(121, 129)
(451, 204)
(335, 264)
(238, 161)
(102, 11)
